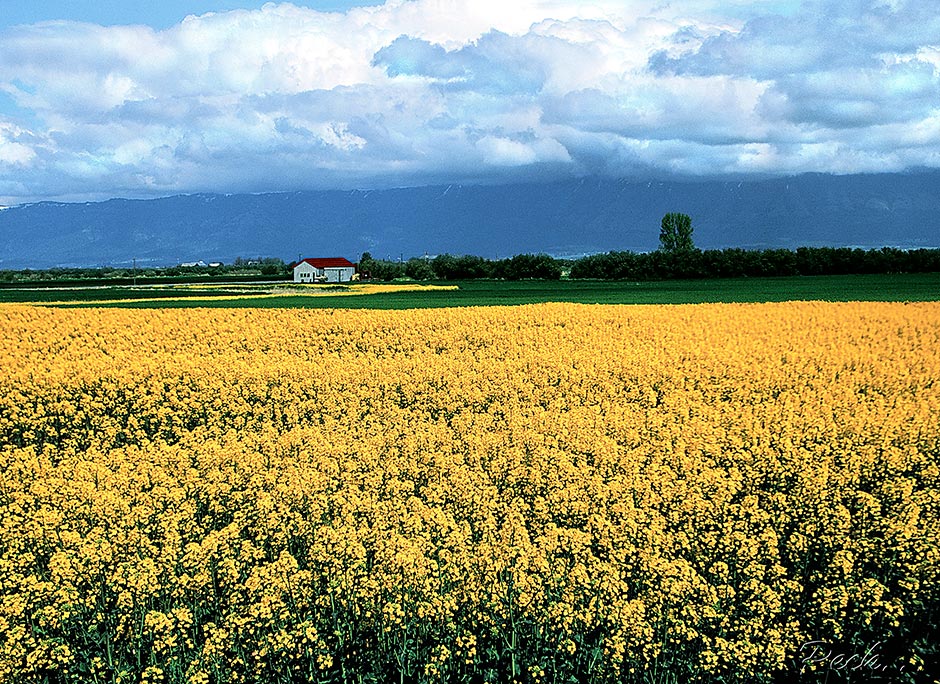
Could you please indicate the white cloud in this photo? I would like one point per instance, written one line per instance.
(419, 91)
(13, 152)
(505, 152)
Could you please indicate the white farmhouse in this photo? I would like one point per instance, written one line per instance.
(330, 270)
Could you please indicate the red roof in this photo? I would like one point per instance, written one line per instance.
(328, 262)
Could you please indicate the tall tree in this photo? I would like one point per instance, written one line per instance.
(676, 233)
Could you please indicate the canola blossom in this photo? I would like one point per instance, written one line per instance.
(544, 493)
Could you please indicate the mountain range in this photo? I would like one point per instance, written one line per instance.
(564, 218)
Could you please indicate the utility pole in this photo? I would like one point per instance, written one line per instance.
(135, 271)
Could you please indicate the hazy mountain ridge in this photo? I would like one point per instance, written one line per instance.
(562, 218)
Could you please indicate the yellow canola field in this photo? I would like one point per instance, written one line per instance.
(545, 493)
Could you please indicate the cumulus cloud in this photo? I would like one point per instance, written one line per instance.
(15, 147)
(422, 91)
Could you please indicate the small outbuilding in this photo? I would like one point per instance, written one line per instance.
(330, 270)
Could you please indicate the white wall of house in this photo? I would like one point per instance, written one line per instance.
(305, 273)
(339, 274)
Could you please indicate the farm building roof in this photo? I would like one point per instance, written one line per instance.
(328, 262)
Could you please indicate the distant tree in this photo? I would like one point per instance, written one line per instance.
(419, 269)
(611, 266)
(366, 264)
(379, 269)
(675, 234)
(464, 267)
(525, 266)
(443, 265)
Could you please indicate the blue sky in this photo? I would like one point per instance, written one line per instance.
(160, 15)
(123, 99)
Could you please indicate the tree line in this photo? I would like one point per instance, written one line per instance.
(661, 264)
(241, 268)
(464, 267)
(677, 257)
